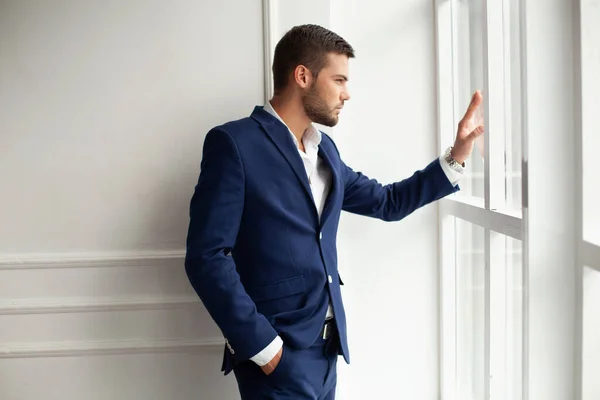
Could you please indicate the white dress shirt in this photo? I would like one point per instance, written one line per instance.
(319, 178)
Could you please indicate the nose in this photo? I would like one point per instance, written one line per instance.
(345, 96)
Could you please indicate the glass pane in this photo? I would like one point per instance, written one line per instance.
(590, 62)
(591, 334)
(514, 319)
(468, 40)
(512, 74)
(470, 310)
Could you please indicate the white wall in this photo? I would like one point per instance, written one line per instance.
(550, 215)
(103, 110)
(104, 107)
(387, 131)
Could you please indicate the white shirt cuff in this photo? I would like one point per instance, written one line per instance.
(452, 175)
(268, 353)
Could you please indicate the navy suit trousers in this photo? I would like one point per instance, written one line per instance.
(308, 374)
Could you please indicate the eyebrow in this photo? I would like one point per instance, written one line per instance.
(344, 77)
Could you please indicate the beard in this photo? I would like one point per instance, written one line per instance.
(317, 109)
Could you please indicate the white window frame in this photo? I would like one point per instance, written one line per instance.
(553, 249)
(496, 223)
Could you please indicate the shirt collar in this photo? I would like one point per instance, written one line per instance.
(312, 136)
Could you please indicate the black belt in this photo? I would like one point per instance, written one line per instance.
(328, 329)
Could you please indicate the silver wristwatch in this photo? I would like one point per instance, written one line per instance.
(452, 163)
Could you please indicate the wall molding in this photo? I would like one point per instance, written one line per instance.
(88, 305)
(170, 258)
(121, 347)
(269, 28)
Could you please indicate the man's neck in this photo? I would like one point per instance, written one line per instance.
(292, 113)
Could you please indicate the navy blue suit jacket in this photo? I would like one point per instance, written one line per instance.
(258, 256)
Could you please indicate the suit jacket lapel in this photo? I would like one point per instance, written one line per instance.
(280, 136)
(325, 152)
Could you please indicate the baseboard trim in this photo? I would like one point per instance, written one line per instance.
(78, 349)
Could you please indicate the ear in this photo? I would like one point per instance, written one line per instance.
(302, 76)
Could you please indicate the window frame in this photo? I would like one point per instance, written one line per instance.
(491, 214)
(543, 57)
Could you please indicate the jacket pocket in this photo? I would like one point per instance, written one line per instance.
(277, 290)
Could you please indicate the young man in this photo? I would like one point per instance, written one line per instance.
(261, 248)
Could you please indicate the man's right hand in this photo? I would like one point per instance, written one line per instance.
(271, 365)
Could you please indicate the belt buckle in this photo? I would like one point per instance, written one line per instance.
(326, 330)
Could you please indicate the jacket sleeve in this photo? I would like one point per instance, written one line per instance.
(215, 216)
(397, 200)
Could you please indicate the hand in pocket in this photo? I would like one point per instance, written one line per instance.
(272, 365)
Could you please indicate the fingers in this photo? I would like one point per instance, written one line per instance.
(272, 365)
(475, 133)
(475, 102)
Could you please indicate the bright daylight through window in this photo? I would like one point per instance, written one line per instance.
(481, 229)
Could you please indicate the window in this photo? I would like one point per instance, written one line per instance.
(494, 64)
(513, 319)
(488, 312)
(482, 266)
(467, 27)
(513, 155)
(470, 310)
(505, 257)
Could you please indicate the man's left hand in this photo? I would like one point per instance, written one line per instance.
(468, 131)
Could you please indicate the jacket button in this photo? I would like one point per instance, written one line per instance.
(321, 235)
(330, 279)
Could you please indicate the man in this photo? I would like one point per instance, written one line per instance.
(261, 248)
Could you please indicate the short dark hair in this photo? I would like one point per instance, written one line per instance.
(306, 45)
